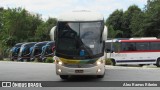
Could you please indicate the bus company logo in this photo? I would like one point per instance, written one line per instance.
(119, 55)
(6, 84)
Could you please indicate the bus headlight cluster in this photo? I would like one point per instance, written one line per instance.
(99, 70)
(99, 62)
(58, 61)
(59, 70)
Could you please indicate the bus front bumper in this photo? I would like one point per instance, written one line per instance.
(96, 70)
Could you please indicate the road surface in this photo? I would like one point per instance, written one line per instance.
(29, 71)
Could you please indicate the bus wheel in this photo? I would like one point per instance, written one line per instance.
(158, 62)
(64, 76)
(113, 62)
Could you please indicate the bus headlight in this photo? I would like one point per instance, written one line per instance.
(99, 62)
(60, 62)
(57, 60)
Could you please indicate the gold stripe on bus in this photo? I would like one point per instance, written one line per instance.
(68, 61)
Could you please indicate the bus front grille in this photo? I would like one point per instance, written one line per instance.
(79, 65)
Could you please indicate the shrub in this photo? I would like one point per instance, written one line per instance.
(109, 62)
(49, 60)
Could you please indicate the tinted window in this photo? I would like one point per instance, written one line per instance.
(155, 46)
(142, 46)
(75, 38)
(128, 47)
(107, 47)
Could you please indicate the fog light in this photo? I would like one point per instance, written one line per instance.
(59, 70)
(98, 70)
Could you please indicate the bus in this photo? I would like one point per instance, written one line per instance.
(25, 51)
(14, 51)
(37, 51)
(79, 44)
(48, 50)
(138, 51)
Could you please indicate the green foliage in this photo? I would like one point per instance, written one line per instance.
(151, 25)
(115, 22)
(127, 19)
(19, 25)
(113, 33)
(108, 62)
(127, 22)
(137, 25)
(135, 22)
(49, 60)
(43, 30)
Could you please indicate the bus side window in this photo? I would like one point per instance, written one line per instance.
(128, 46)
(131, 47)
(116, 47)
(108, 47)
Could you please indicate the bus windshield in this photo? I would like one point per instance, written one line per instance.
(38, 49)
(79, 39)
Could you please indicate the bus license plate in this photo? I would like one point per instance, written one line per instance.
(78, 71)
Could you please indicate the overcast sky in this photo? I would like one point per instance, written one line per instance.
(52, 8)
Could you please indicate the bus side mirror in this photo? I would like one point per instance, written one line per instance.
(52, 33)
(105, 33)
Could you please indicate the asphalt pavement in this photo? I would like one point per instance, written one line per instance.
(30, 71)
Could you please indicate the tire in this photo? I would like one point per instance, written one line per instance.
(64, 76)
(113, 62)
(158, 62)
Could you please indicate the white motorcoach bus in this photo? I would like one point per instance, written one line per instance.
(134, 51)
(79, 44)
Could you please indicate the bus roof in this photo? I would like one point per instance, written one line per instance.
(82, 15)
(29, 43)
(134, 40)
(145, 40)
(39, 43)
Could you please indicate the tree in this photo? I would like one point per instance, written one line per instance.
(151, 27)
(115, 21)
(136, 24)
(128, 16)
(42, 32)
(19, 26)
(113, 33)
